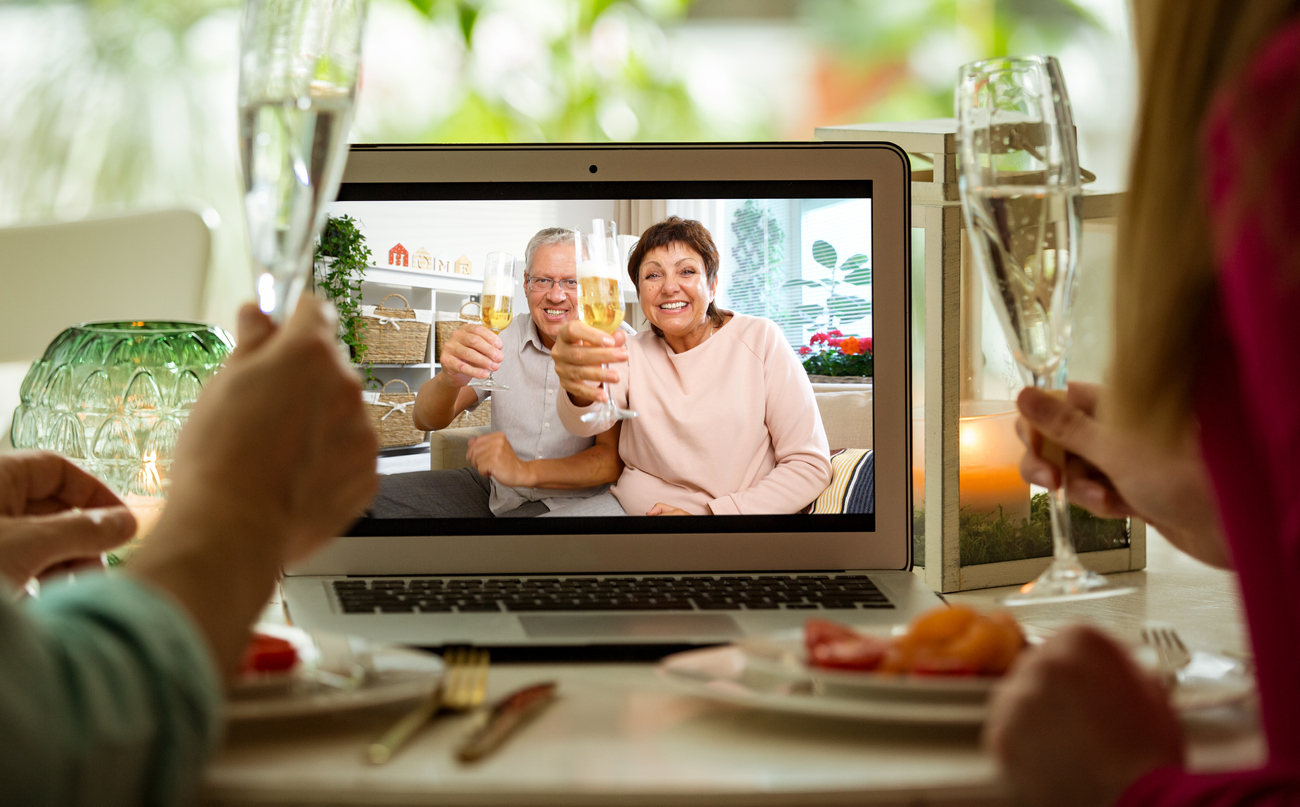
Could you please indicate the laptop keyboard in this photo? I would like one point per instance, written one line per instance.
(442, 595)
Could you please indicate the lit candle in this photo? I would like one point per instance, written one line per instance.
(988, 461)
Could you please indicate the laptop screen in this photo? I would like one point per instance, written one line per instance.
(777, 437)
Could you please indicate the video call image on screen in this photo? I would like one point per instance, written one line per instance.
(735, 430)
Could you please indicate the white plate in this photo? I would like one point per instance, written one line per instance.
(785, 654)
(333, 673)
(727, 674)
(747, 677)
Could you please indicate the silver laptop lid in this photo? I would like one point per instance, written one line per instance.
(444, 202)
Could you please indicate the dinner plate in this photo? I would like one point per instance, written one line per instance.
(333, 673)
(730, 674)
(753, 673)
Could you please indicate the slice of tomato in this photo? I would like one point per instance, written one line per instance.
(818, 631)
(833, 645)
(268, 654)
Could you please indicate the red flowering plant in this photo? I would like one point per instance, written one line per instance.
(832, 353)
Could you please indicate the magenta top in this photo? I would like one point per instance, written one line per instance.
(1248, 403)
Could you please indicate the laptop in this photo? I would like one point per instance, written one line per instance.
(773, 210)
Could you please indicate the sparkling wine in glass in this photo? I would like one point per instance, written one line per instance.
(601, 276)
(298, 69)
(1021, 193)
(495, 305)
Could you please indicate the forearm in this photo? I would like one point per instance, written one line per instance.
(219, 565)
(435, 403)
(109, 697)
(598, 465)
(788, 488)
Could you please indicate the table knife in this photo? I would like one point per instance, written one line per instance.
(506, 717)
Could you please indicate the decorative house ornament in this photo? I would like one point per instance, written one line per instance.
(398, 256)
(422, 260)
(464, 266)
(442, 264)
(970, 528)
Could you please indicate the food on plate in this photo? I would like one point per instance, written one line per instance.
(268, 654)
(946, 641)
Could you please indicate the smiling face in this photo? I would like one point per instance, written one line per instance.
(551, 309)
(675, 294)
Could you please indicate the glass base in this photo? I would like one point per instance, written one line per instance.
(608, 414)
(487, 383)
(1066, 584)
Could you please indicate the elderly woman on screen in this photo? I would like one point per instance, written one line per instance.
(727, 421)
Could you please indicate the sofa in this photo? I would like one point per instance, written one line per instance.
(845, 409)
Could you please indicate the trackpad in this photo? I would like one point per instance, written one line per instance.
(632, 626)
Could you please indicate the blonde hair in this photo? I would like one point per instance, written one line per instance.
(1165, 271)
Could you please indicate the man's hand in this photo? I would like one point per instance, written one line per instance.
(472, 351)
(492, 456)
(1120, 474)
(661, 509)
(1075, 722)
(579, 353)
(53, 515)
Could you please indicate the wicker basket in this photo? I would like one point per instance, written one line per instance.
(393, 342)
(442, 331)
(393, 418)
(481, 416)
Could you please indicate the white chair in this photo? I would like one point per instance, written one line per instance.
(151, 265)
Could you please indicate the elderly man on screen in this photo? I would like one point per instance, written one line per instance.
(529, 465)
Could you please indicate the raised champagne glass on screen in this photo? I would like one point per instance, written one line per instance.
(1020, 192)
(299, 62)
(601, 275)
(496, 304)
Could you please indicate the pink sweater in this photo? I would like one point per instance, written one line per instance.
(728, 427)
(1248, 403)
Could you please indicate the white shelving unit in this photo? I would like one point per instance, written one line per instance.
(425, 291)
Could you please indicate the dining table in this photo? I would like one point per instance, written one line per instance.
(620, 734)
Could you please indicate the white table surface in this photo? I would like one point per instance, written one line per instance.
(619, 735)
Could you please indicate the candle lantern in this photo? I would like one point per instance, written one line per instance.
(112, 397)
(976, 524)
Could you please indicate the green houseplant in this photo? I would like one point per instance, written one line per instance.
(341, 260)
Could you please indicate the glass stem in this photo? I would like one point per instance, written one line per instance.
(609, 398)
(1063, 555)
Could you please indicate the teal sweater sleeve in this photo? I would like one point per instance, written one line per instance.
(108, 696)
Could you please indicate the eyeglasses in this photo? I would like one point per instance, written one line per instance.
(542, 284)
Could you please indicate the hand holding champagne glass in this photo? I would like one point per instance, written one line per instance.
(601, 277)
(1020, 191)
(298, 69)
(496, 304)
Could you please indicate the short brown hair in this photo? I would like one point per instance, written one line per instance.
(690, 234)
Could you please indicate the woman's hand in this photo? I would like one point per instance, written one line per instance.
(276, 459)
(492, 456)
(1075, 722)
(661, 509)
(1121, 474)
(54, 516)
(579, 353)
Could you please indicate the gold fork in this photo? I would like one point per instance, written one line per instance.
(463, 687)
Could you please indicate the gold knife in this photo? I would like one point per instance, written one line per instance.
(507, 716)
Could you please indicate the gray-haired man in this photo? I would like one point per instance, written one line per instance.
(529, 465)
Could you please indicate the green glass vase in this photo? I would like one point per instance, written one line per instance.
(113, 396)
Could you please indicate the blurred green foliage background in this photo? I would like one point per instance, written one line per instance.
(114, 104)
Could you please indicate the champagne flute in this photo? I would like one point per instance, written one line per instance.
(495, 305)
(1021, 192)
(298, 68)
(601, 277)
